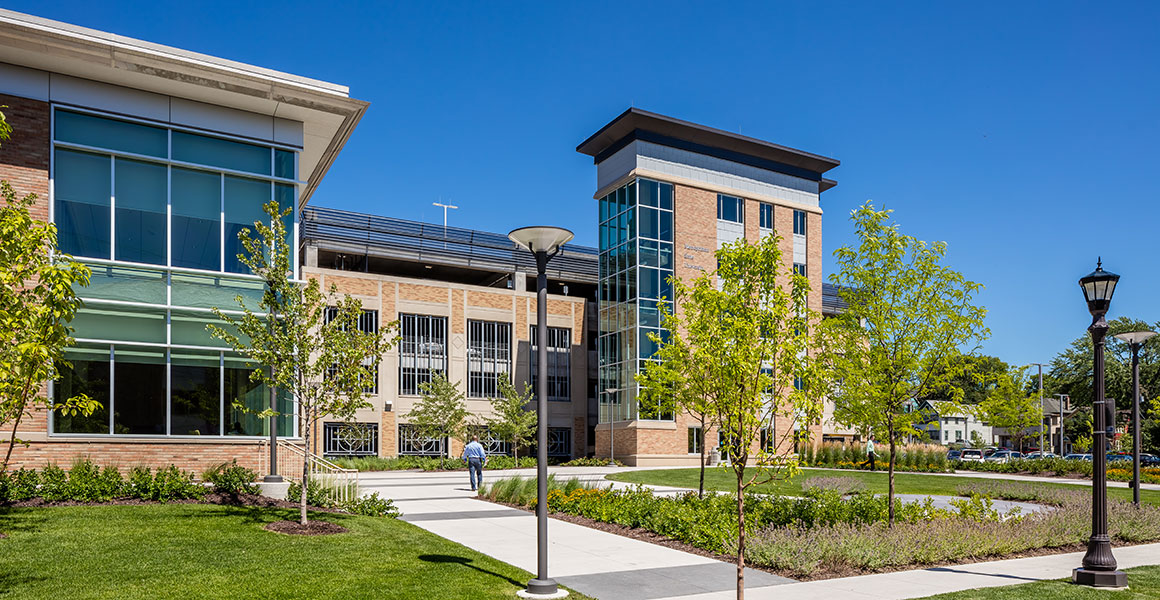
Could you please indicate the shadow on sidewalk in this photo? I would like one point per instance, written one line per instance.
(966, 572)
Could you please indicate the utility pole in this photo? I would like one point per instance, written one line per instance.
(444, 207)
(1062, 398)
(1041, 418)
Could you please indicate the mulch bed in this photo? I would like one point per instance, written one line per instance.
(311, 528)
(822, 573)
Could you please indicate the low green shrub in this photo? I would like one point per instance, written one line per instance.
(88, 483)
(54, 484)
(231, 478)
(427, 463)
(918, 458)
(170, 483)
(590, 461)
(317, 493)
(372, 506)
(19, 485)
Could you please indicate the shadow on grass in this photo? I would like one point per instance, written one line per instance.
(22, 520)
(446, 559)
(259, 515)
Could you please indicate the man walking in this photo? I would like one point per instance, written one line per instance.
(475, 457)
(869, 453)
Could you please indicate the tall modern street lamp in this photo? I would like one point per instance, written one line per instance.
(1041, 416)
(1135, 340)
(543, 243)
(1099, 566)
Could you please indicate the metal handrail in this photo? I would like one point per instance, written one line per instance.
(340, 485)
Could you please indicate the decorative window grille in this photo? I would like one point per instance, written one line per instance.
(350, 439)
(559, 441)
(422, 351)
(559, 363)
(412, 443)
(368, 322)
(489, 361)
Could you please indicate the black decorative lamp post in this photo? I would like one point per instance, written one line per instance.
(543, 243)
(1135, 340)
(1099, 566)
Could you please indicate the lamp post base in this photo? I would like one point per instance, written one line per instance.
(272, 479)
(1101, 579)
(542, 589)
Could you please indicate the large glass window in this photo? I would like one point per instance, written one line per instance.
(254, 397)
(155, 192)
(86, 373)
(488, 357)
(82, 188)
(766, 215)
(138, 391)
(559, 362)
(799, 222)
(422, 351)
(195, 400)
(197, 230)
(140, 216)
(730, 208)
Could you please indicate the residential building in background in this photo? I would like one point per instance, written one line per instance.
(149, 160)
(466, 305)
(947, 424)
(670, 193)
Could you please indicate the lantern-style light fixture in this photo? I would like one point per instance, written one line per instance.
(1098, 287)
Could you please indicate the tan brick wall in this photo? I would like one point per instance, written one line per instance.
(351, 285)
(422, 293)
(458, 316)
(694, 231)
(490, 300)
(579, 435)
(388, 435)
(524, 316)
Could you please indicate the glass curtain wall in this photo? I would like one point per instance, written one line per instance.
(154, 211)
(636, 264)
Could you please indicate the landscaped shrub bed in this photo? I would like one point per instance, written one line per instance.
(911, 458)
(710, 522)
(837, 529)
(1058, 467)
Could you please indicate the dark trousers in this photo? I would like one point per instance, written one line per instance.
(475, 472)
(869, 461)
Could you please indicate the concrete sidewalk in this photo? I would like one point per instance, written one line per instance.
(599, 564)
(608, 566)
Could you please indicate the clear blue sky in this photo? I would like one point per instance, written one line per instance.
(1025, 135)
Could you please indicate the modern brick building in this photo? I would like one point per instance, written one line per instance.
(466, 307)
(149, 160)
(670, 193)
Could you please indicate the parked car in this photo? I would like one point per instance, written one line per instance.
(1149, 460)
(971, 455)
(1005, 456)
(1035, 455)
(988, 451)
(1078, 457)
(1117, 457)
(954, 455)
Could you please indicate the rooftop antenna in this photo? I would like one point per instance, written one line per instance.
(445, 207)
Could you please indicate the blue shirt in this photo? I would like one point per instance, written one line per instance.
(474, 450)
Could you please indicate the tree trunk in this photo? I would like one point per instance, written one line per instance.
(740, 534)
(305, 470)
(16, 424)
(890, 476)
(704, 437)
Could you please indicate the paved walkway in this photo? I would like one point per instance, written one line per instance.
(596, 563)
(605, 565)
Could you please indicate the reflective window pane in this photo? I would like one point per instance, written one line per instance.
(217, 152)
(244, 200)
(131, 325)
(284, 164)
(82, 191)
(138, 392)
(665, 229)
(240, 392)
(196, 198)
(85, 373)
(141, 211)
(195, 399)
(99, 132)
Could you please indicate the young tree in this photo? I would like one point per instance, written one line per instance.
(1009, 405)
(908, 318)
(513, 421)
(740, 348)
(441, 413)
(308, 341)
(37, 301)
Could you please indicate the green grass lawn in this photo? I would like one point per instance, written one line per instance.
(904, 483)
(1143, 582)
(206, 551)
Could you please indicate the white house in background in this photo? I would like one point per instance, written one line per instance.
(947, 424)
